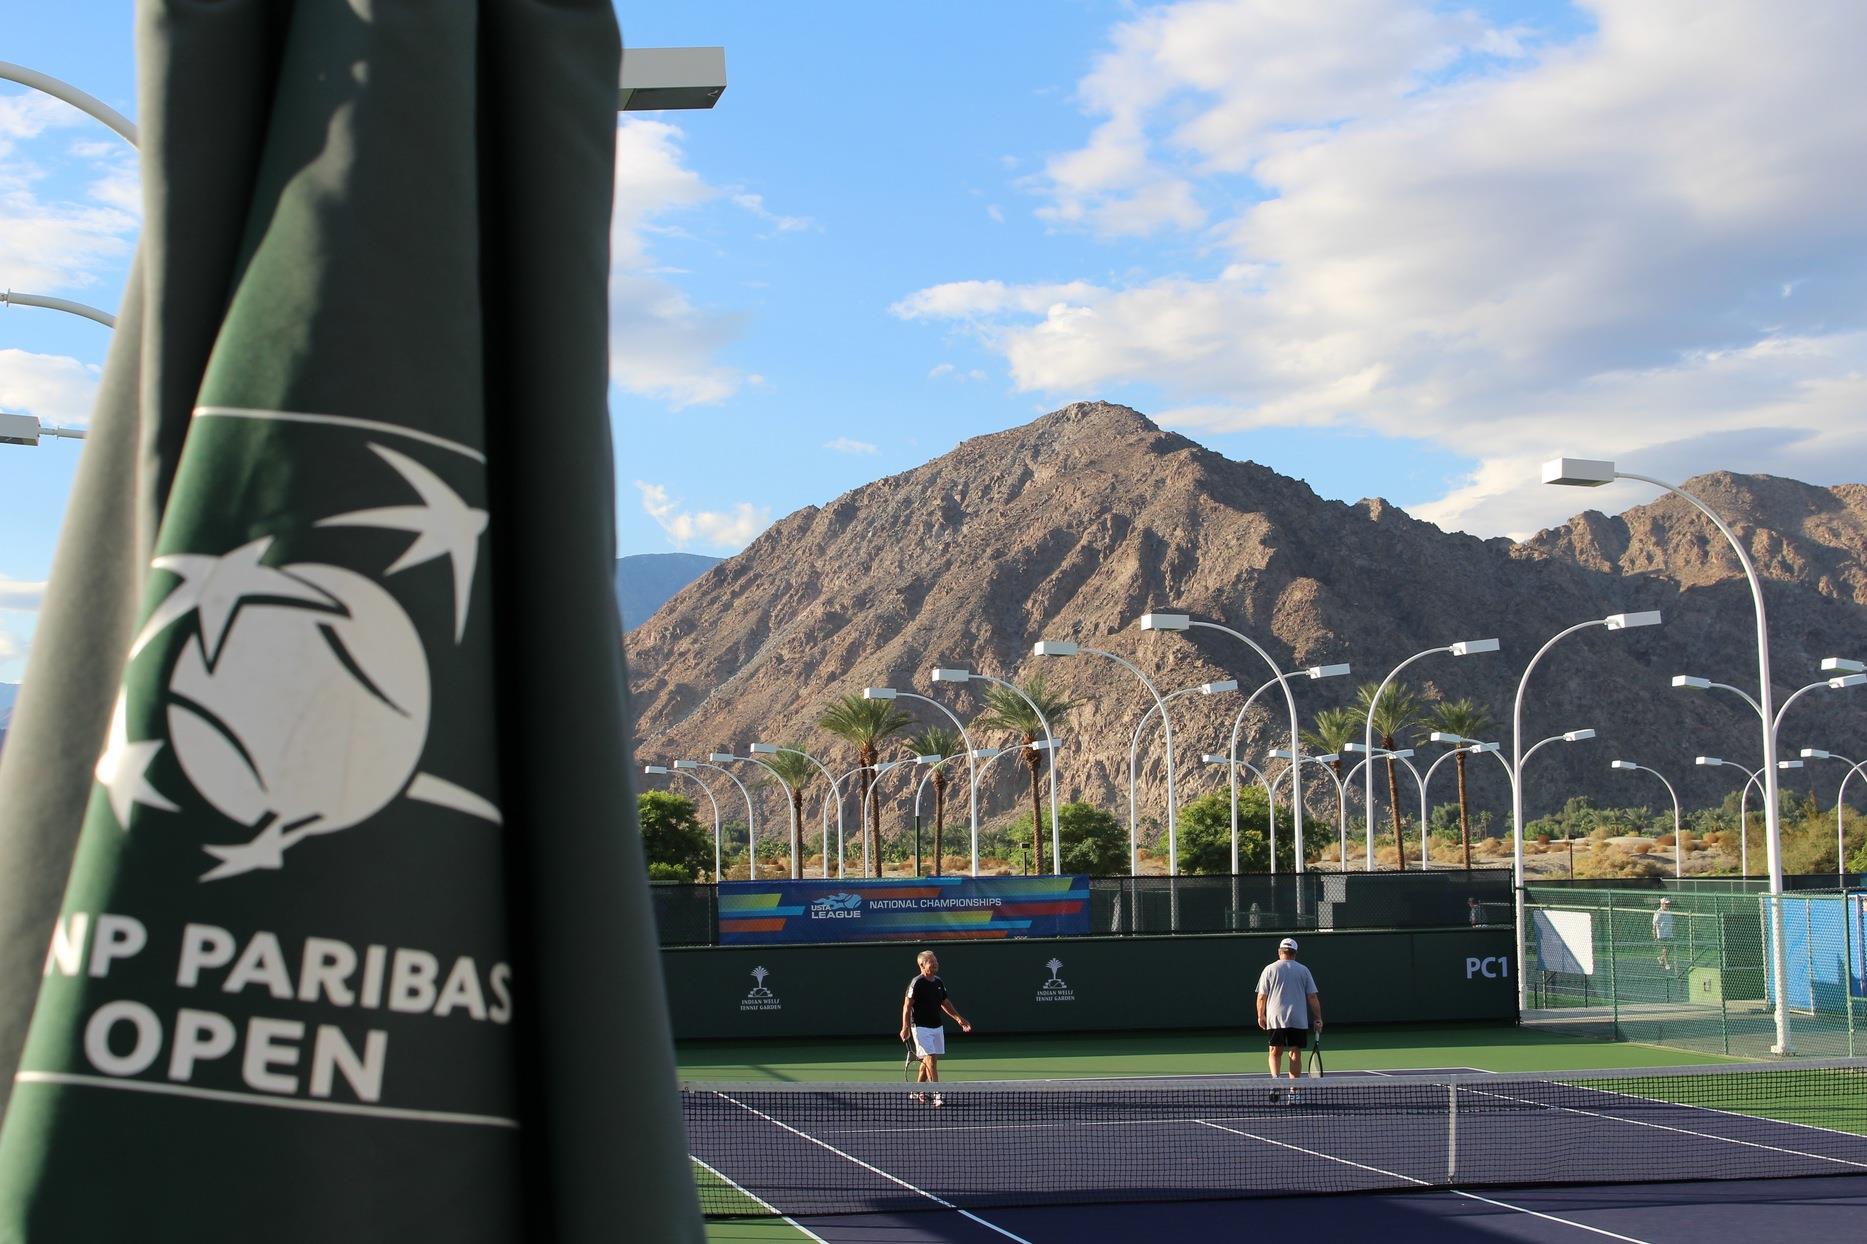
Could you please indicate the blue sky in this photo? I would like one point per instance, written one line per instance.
(1391, 248)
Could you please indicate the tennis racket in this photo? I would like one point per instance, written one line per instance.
(1315, 1053)
(907, 1060)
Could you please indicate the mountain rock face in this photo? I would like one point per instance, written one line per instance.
(1073, 526)
(645, 581)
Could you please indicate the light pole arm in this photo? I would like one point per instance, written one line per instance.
(1296, 728)
(86, 103)
(972, 781)
(1743, 695)
(14, 298)
(1056, 833)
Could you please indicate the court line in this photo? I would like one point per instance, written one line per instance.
(940, 1201)
(753, 1196)
(1731, 1114)
(1683, 1131)
(1421, 1183)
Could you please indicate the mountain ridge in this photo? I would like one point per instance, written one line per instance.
(1075, 524)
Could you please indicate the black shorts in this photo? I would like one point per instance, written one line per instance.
(1288, 1038)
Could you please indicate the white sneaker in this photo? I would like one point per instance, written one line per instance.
(938, 1100)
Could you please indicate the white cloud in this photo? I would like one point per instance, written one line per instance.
(661, 345)
(755, 204)
(1505, 247)
(62, 247)
(15, 594)
(57, 389)
(728, 532)
(844, 445)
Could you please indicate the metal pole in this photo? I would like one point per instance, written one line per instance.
(972, 771)
(1771, 813)
(1296, 728)
(88, 104)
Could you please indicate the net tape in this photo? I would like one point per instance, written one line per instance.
(811, 1149)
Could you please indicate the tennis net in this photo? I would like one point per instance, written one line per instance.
(804, 1149)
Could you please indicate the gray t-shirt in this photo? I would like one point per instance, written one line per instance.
(1285, 987)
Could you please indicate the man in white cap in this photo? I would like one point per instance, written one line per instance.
(1288, 1006)
(1663, 929)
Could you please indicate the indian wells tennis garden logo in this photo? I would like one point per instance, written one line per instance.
(290, 880)
(298, 701)
(760, 998)
(1053, 989)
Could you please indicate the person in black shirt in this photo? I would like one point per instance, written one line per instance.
(921, 1019)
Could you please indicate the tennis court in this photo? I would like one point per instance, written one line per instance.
(1422, 1152)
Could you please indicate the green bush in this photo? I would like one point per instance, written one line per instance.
(1094, 842)
(672, 837)
(1205, 833)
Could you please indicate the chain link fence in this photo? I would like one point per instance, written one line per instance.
(1690, 965)
(688, 915)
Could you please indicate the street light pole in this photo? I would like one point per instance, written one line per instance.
(972, 772)
(1183, 622)
(1816, 753)
(1464, 648)
(1678, 826)
(1067, 648)
(796, 864)
(1296, 797)
(1312, 672)
(1592, 473)
(1134, 748)
(772, 749)
(86, 103)
(1050, 745)
(663, 769)
(751, 832)
(1419, 783)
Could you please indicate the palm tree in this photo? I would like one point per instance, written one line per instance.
(942, 742)
(795, 771)
(1330, 730)
(1468, 719)
(866, 725)
(1395, 715)
(1006, 710)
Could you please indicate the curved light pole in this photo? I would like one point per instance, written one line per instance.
(86, 103)
(1068, 648)
(1465, 747)
(921, 786)
(796, 865)
(1312, 672)
(1841, 846)
(1613, 622)
(1678, 827)
(880, 769)
(751, 832)
(772, 749)
(665, 771)
(1327, 763)
(1752, 777)
(1270, 828)
(1050, 740)
(1400, 754)
(13, 297)
(972, 781)
(1183, 622)
(1464, 648)
(1592, 473)
(1134, 748)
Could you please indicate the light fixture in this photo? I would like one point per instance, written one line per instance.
(1576, 736)
(1578, 472)
(1218, 688)
(1165, 621)
(1471, 647)
(1692, 681)
(1628, 621)
(878, 693)
(1054, 648)
(951, 675)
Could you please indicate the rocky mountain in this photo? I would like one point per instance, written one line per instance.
(645, 581)
(1074, 525)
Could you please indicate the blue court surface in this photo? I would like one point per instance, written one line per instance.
(1426, 1155)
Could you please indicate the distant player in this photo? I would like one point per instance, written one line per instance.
(921, 1012)
(1663, 929)
(1288, 1006)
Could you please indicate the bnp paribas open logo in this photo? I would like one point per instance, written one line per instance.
(299, 699)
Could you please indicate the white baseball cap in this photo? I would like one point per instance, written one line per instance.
(1289, 943)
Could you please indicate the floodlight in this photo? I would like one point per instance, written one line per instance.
(1578, 472)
